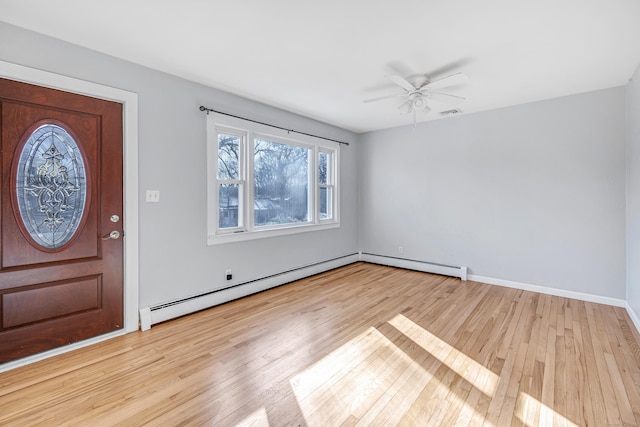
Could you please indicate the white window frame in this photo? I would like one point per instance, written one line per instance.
(240, 181)
(330, 185)
(249, 131)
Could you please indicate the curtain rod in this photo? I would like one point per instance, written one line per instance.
(209, 110)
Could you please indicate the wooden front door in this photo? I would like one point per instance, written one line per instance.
(61, 216)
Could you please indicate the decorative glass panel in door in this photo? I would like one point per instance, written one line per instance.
(51, 186)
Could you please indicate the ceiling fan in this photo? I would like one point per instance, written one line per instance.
(419, 94)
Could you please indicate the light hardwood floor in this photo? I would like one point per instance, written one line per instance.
(360, 345)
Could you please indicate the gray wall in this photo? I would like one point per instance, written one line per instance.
(175, 260)
(633, 192)
(533, 193)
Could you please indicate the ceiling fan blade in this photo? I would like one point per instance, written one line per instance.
(451, 80)
(406, 107)
(445, 98)
(380, 98)
(402, 82)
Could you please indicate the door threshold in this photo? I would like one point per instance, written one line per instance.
(60, 350)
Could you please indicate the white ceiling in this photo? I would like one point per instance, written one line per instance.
(321, 59)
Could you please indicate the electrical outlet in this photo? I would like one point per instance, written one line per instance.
(153, 196)
(228, 274)
(400, 250)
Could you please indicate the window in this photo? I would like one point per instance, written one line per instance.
(263, 182)
(325, 184)
(230, 186)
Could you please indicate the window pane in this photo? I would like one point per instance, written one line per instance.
(324, 171)
(228, 205)
(281, 183)
(326, 203)
(228, 152)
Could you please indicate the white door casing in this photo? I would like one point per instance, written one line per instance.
(129, 101)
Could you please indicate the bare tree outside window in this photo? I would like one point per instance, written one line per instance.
(281, 183)
(228, 156)
(325, 185)
(229, 188)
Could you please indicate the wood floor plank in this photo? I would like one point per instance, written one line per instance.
(360, 345)
(578, 393)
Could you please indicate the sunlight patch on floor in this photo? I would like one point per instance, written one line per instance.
(529, 408)
(369, 380)
(336, 364)
(473, 372)
(349, 380)
(258, 418)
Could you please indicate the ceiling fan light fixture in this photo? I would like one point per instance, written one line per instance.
(420, 103)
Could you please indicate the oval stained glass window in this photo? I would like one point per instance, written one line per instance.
(51, 186)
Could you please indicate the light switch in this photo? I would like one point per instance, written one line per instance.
(153, 196)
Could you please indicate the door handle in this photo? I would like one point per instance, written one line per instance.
(115, 235)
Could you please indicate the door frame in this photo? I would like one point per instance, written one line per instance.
(129, 101)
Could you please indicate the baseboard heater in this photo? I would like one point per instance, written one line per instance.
(410, 264)
(170, 310)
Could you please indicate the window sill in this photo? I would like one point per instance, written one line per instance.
(261, 234)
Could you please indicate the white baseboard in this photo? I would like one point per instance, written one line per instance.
(462, 273)
(427, 267)
(634, 317)
(145, 318)
(550, 291)
(163, 312)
